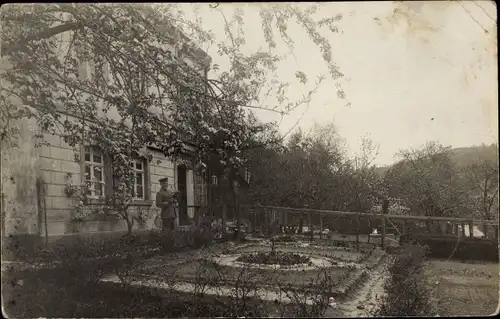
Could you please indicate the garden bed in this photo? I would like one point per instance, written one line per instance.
(345, 254)
(275, 258)
(192, 270)
(341, 263)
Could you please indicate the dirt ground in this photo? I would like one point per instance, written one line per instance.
(464, 289)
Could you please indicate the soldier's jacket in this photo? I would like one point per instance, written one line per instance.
(164, 201)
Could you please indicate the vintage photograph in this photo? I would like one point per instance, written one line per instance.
(249, 159)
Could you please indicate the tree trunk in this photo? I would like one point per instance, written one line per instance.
(236, 210)
(130, 224)
(301, 223)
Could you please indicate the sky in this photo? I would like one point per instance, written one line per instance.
(413, 72)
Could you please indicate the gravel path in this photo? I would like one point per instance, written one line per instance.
(365, 298)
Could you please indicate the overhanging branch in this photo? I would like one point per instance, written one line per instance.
(45, 34)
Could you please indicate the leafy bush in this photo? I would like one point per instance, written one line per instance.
(243, 300)
(462, 248)
(194, 238)
(309, 302)
(407, 293)
(20, 247)
(285, 239)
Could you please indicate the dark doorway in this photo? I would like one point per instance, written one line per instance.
(182, 187)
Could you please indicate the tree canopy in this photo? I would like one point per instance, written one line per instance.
(145, 67)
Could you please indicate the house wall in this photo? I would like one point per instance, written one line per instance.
(19, 182)
(49, 210)
(57, 160)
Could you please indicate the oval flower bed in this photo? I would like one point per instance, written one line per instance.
(275, 258)
(285, 239)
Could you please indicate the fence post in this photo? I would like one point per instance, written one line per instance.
(301, 224)
(286, 218)
(449, 228)
(266, 226)
(254, 220)
(320, 225)
(485, 230)
(310, 225)
(471, 229)
(357, 231)
(442, 228)
(369, 229)
(428, 226)
(462, 224)
(224, 212)
(197, 210)
(495, 227)
(385, 210)
(382, 238)
(239, 220)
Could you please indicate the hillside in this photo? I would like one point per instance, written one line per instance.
(463, 156)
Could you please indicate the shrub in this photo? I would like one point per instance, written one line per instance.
(244, 298)
(20, 247)
(462, 248)
(194, 238)
(311, 301)
(407, 293)
(285, 239)
(199, 237)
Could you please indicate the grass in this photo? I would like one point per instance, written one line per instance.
(464, 288)
(46, 297)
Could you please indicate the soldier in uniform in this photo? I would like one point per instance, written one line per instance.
(166, 202)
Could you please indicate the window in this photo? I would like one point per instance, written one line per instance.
(94, 171)
(99, 175)
(138, 187)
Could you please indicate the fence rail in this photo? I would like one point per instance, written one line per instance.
(268, 220)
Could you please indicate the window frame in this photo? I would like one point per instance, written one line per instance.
(143, 178)
(108, 177)
(91, 164)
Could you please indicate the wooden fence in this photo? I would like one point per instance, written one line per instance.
(269, 220)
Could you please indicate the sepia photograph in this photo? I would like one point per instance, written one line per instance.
(249, 159)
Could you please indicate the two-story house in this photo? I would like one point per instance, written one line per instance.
(35, 179)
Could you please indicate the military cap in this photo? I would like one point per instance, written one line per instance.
(164, 179)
